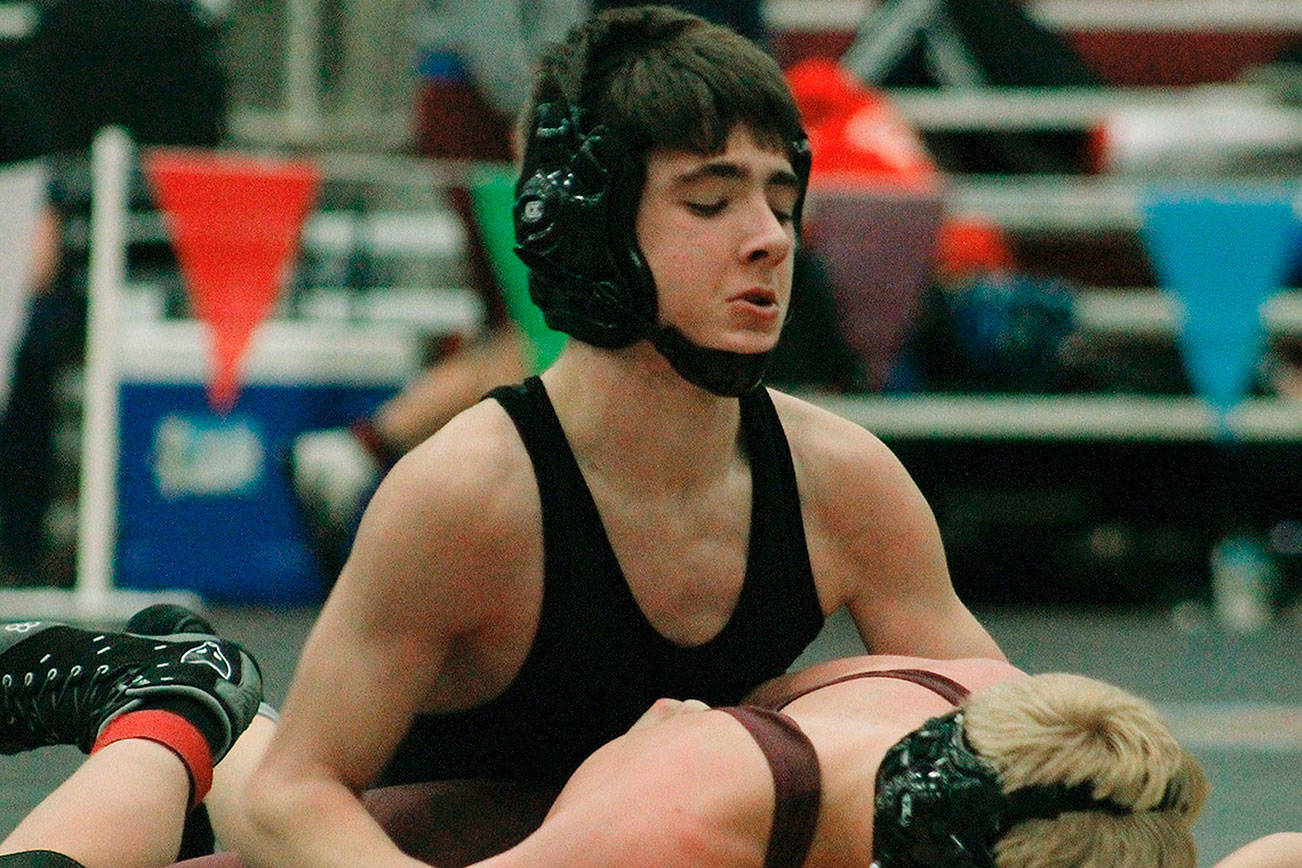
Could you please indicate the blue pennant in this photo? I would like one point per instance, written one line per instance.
(1223, 250)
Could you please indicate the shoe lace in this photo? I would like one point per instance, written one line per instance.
(62, 704)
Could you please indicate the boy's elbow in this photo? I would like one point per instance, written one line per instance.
(275, 808)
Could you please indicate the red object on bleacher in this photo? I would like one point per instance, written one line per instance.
(971, 246)
(858, 138)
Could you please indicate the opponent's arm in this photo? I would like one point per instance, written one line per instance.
(399, 612)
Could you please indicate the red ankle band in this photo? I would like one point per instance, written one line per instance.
(173, 732)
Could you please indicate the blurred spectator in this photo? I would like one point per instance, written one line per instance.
(474, 80)
(24, 139)
(335, 471)
(154, 67)
(975, 43)
(474, 70)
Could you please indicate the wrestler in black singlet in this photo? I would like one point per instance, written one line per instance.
(596, 663)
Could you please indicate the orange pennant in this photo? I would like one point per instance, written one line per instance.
(235, 224)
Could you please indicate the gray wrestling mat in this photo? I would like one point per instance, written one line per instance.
(1235, 701)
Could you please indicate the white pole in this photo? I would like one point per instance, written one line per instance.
(302, 69)
(111, 156)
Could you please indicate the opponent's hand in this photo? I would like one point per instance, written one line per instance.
(664, 709)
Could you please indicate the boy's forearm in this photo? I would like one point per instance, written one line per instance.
(313, 823)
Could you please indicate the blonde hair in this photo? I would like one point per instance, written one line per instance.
(1068, 729)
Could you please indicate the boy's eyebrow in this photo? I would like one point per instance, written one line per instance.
(734, 172)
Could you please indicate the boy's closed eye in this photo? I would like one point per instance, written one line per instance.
(707, 209)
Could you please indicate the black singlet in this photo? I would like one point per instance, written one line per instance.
(797, 781)
(596, 663)
(38, 859)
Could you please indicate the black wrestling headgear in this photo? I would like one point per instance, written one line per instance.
(940, 805)
(575, 213)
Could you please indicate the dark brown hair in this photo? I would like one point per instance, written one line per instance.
(667, 79)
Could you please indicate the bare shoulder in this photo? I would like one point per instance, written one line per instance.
(820, 433)
(474, 473)
(437, 602)
(478, 440)
(462, 503)
(865, 518)
(1280, 850)
(874, 544)
(837, 461)
(712, 804)
(973, 673)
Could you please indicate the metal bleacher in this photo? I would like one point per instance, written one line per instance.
(1112, 496)
(389, 212)
(1082, 213)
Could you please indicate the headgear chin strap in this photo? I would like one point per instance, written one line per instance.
(940, 805)
(575, 210)
(719, 371)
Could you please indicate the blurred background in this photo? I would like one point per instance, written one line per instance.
(994, 290)
(1053, 261)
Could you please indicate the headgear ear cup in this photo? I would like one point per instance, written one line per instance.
(940, 804)
(573, 221)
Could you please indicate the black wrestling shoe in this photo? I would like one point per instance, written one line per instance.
(168, 619)
(62, 685)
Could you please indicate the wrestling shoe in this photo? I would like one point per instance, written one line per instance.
(63, 685)
(168, 619)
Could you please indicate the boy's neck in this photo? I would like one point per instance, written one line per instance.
(632, 404)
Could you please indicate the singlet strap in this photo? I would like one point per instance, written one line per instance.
(797, 782)
(533, 415)
(946, 688)
(570, 519)
(38, 859)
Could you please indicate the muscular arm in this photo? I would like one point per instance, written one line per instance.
(874, 542)
(393, 640)
(906, 603)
